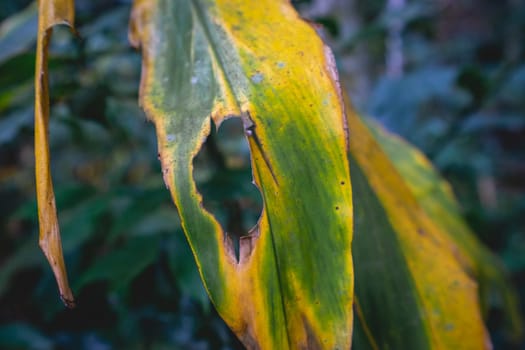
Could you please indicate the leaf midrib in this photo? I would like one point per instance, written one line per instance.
(215, 56)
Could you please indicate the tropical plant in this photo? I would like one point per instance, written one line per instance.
(288, 282)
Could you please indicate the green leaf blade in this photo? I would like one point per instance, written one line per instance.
(293, 284)
(437, 199)
(435, 282)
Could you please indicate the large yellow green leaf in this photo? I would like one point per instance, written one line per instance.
(205, 61)
(437, 199)
(412, 292)
(50, 13)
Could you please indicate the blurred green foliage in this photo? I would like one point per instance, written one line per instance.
(460, 99)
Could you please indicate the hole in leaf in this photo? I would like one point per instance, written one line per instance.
(223, 174)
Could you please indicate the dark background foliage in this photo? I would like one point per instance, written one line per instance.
(447, 75)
